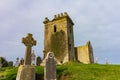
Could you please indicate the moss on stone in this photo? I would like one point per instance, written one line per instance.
(58, 44)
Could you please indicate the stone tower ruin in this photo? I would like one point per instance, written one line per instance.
(59, 38)
(84, 53)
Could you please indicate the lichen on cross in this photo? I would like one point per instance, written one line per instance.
(28, 42)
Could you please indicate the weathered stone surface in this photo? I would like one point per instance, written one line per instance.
(84, 53)
(26, 73)
(29, 42)
(38, 61)
(21, 61)
(58, 37)
(17, 63)
(96, 61)
(106, 60)
(50, 67)
(33, 58)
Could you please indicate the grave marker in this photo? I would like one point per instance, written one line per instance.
(50, 67)
(27, 71)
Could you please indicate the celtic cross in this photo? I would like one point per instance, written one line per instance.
(28, 41)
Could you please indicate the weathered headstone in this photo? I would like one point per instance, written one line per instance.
(26, 71)
(96, 61)
(21, 61)
(106, 61)
(33, 56)
(38, 61)
(50, 67)
(17, 63)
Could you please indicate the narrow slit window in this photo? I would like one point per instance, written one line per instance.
(55, 29)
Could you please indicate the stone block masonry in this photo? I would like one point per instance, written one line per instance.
(59, 38)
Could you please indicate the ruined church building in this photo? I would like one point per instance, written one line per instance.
(59, 38)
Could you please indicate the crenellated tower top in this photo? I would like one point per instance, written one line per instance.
(57, 17)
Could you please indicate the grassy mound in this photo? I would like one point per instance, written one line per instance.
(71, 71)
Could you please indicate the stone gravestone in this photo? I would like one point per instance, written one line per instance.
(28, 42)
(33, 56)
(96, 60)
(17, 62)
(50, 67)
(106, 61)
(21, 61)
(38, 60)
(26, 71)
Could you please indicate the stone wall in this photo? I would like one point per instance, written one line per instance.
(84, 53)
(58, 37)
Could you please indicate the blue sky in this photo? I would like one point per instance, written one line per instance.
(95, 20)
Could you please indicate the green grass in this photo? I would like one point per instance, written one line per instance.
(8, 73)
(71, 71)
(75, 71)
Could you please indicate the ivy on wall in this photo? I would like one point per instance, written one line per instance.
(58, 44)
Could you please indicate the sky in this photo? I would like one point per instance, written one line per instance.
(95, 20)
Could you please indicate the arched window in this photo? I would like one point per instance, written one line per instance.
(55, 28)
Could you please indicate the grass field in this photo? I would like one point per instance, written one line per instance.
(71, 71)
